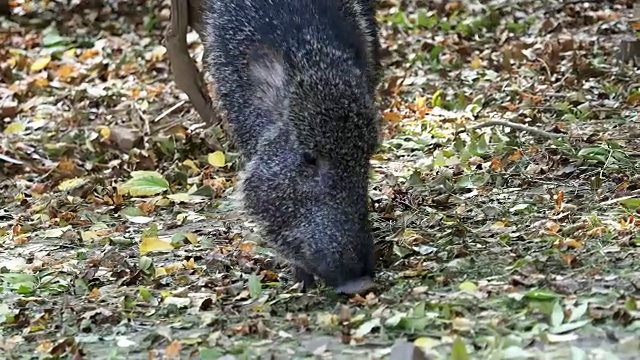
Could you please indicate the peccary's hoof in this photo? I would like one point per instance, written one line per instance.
(357, 286)
(306, 278)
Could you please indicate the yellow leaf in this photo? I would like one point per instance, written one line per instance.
(14, 128)
(163, 202)
(89, 236)
(468, 286)
(189, 265)
(41, 82)
(160, 272)
(574, 244)
(71, 184)
(70, 54)
(158, 52)
(191, 165)
(191, 237)
(154, 244)
(40, 64)
(498, 225)
(179, 197)
(476, 63)
(216, 159)
(105, 132)
(426, 343)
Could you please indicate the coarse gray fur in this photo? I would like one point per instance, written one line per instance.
(296, 79)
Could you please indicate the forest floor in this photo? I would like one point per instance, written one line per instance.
(118, 239)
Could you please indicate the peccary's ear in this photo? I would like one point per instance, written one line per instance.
(266, 71)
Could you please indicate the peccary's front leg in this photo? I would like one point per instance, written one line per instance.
(306, 278)
(5, 7)
(185, 72)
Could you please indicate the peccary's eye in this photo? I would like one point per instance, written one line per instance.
(309, 159)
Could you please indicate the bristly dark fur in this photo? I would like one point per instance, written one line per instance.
(296, 79)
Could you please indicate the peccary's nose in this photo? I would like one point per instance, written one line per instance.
(357, 286)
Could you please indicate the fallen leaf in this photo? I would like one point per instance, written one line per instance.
(216, 159)
(40, 64)
(150, 244)
(145, 183)
(468, 286)
(173, 350)
(71, 184)
(14, 128)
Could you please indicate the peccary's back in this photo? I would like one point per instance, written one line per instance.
(329, 48)
(295, 27)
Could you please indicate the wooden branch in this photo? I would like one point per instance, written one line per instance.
(519, 127)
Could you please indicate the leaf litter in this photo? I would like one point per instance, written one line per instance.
(505, 195)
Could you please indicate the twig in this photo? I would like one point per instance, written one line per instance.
(168, 111)
(519, 127)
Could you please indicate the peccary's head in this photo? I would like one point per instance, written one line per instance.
(307, 181)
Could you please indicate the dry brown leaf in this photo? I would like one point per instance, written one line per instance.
(173, 350)
(392, 116)
(559, 201)
(516, 155)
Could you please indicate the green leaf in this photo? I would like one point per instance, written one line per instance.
(255, 286)
(210, 354)
(145, 294)
(436, 101)
(539, 294)
(419, 310)
(459, 350)
(366, 327)
(151, 231)
(51, 37)
(145, 183)
(557, 314)
(578, 311)
(563, 328)
(414, 323)
(425, 21)
(597, 153)
(473, 180)
(631, 204)
(481, 146)
(20, 281)
(146, 263)
(131, 211)
(438, 159)
(521, 208)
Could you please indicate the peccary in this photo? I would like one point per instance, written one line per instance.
(297, 79)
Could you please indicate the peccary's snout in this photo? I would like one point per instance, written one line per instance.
(357, 286)
(337, 249)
